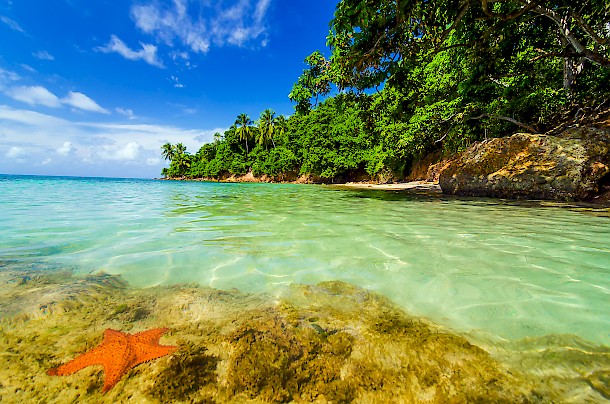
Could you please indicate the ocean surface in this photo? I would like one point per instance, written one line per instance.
(508, 270)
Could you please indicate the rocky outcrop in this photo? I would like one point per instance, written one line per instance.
(574, 165)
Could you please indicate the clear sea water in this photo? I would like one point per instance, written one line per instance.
(506, 269)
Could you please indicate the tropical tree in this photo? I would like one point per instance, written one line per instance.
(179, 149)
(244, 129)
(314, 82)
(280, 125)
(470, 66)
(167, 151)
(183, 162)
(374, 38)
(266, 127)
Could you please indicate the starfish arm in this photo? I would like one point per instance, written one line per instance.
(111, 335)
(93, 357)
(150, 336)
(145, 353)
(115, 368)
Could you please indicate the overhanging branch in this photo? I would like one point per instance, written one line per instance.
(504, 118)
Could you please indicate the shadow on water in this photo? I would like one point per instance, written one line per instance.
(426, 196)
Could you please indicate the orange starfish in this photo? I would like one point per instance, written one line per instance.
(118, 353)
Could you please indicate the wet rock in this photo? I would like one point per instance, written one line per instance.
(571, 166)
(191, 370)
(600, 382)
(277, 362)
(330, 342)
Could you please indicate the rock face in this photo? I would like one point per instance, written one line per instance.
(572, 166)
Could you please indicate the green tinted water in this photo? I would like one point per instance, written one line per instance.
(483, 266)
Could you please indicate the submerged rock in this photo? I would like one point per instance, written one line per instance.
(330, 342)
(572, 166)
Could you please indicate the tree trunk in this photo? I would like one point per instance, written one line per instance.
(565, 30)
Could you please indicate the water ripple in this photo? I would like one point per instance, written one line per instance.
(510, 269)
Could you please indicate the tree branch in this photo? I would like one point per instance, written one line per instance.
(587, 28)
(563, 54)
(565, 31)
(504, 118)
(524, 9)
(455, 22)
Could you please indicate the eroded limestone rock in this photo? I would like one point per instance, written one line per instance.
(572, 166)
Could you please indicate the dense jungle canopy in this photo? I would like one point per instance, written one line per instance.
(405, 78)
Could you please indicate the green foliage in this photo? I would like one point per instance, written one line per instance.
(313, 83)
(180, 160)
(244, 129)
(333, 138)
(274, 162)
(451, 73)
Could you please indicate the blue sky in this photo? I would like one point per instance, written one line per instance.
(95, 87)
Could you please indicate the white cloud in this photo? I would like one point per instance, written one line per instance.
(43, 55)
(15, 152)
(28, 68)
(126, 112)
(170, 23)
(65, 149)
(176, 81)
(81, 101)
(241, 23)
(236, 22)
(31, 118)
(38, 95)
(7, 77)
(176, 55)
(89, 148)
(261, 10)
(184, 109)
(148, 53)
(14, 25)
(34, 95)
(127, 152)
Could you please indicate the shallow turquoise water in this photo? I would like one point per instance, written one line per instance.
(503, 269)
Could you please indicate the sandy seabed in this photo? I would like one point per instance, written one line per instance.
(330, 342)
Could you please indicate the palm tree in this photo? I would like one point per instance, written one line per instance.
(167, 151)
(181, 158)
(244, 130)
(280, 125)
(267, 126)
(259, 134)
(183, 162)
(179, 149)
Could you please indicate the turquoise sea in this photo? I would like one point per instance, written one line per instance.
(501, 269)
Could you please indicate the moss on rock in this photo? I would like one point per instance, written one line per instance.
(330, 342)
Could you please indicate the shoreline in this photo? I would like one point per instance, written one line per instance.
(428, 186)
(418, 186)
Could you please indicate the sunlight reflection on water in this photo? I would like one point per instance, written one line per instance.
(509, 269)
